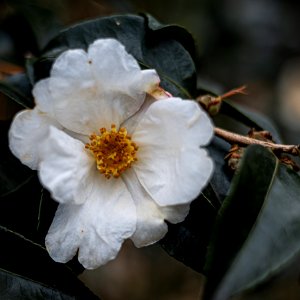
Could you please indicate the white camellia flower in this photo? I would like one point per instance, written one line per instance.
(117, 152)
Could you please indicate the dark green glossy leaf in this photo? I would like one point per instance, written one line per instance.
(21, 212)
(159, 47)
(18, 89)
(15, 287)
(178, 33)
(221, 178)
(27, 28)
(188, 240)
(27, 272)
(249, 190)
(42, 20)
(273, 242)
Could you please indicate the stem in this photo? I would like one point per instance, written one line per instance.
(235, 138)
(236, 91)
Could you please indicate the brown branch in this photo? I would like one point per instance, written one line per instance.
(234, 138)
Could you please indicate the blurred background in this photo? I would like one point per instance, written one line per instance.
(239, 42)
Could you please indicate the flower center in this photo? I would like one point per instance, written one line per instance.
(113, 150)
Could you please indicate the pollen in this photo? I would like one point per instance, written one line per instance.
(114, 151)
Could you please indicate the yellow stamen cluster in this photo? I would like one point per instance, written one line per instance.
(113, 150)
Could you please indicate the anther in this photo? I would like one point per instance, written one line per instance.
(113, 150)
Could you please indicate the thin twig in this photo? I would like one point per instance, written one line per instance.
(236, 91)
(235, 138)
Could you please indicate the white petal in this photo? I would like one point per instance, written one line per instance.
(113, 67)
(63, 238)
(149, 81)
(151, 226)
(154, 92)
(174, 122)
(95, 89)
(72, 65)
(66, 167)
(152, 86)
(170, 164)
(96, 228)
(73, 91)
(127, 84)
(70, 81)
(131, 123)
(176, 213)
(26, 134)
(42, 97)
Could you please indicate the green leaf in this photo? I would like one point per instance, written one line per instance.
(27, 27)
(274, 240)
(27, 272)
(249, 190)
(20, 211)
(41, 18)
(154, 46)
(18, 89)
(177, 32)
(16, 287)
(222, 176)
(188, 240)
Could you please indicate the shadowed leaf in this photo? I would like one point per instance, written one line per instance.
(274, 240)
(249, 190)
(159, 47)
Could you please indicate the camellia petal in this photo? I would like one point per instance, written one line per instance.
(124, 69)
(96, 228)
(184, 124)
(182, 175)
(125, 76)
(65, 168)
(175, 213)
(154, 93)
(27, 133)
(73, 91)
(87, 99)
(150, 83)
(171, 166)
(151, 226)
(43, 98)
(131, 123)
